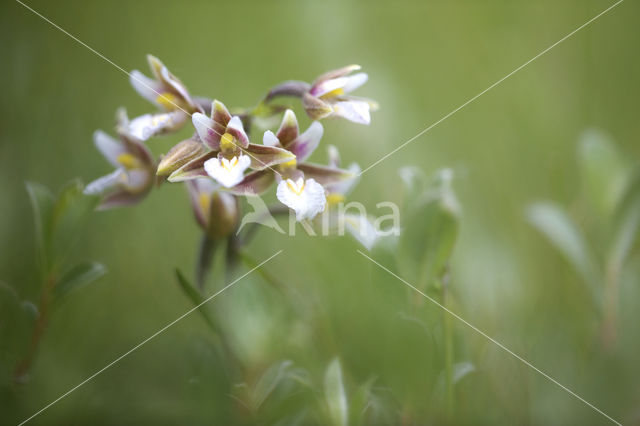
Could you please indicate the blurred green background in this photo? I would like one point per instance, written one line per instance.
(515, 145)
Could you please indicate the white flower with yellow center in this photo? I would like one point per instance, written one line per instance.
(227, 172)
(305, 197)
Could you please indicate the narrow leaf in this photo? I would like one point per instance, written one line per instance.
(604, 171)
(565, 236)
(268, 383)
(196, 298)
(335, 394)
(626, 224)
(79, 276)
(42, 201)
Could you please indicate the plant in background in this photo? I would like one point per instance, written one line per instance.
(599, 244)
(421, 255)
(58, 222)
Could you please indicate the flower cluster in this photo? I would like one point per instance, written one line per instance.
(219, 162)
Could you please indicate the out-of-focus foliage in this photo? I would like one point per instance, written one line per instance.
(611, 209)
(58, 220)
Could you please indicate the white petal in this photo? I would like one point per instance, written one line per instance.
(146, 87)
(205, 129)
(304, 145)
(356, 111)
(105, 183)
(329, 86)
(334, 156)
(174, 82)
(110, 148)
(204, 185)
(269, 139)
(344, 187)
(149, 125)
(306, 202)
(137, 180)
(236, 129)
(355, 81)
(227, 172)
(361, 228)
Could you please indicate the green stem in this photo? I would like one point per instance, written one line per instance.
(251, 229)
(610, 314)
(38, 331)
(448, 349)
(205, 259)
(270, 279)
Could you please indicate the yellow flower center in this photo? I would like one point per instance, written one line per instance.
(169, 101)
(289, 165)
(205, 203)
(294, 187)
(335, 198)
(226, 142)
(128, 161)
(332, 94)
(229, 164)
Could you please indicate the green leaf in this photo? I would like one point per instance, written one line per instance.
(604, 171)
(429, 232)
(565, 236)
(71, 210)
(462, 370)
(15, 332)
(42, 202)
(268, 382)
(335, 395)
(360, 401)
(196, 298)
(79, 276)
(626, 224)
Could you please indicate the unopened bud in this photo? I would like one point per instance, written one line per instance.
(179, 155)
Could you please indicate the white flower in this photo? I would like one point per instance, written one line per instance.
(227, 172)
(305, 197)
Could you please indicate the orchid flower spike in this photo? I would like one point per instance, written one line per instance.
(225, 152)
(133, 177)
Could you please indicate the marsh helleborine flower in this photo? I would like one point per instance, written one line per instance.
(227, 152)
(134, 174)
(329, 95)
(166, 92)
(302, 185)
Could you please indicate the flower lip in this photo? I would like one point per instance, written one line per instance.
(306, 197)
(227, 172)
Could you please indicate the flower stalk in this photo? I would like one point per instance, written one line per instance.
(448, 349)
(610, 305)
